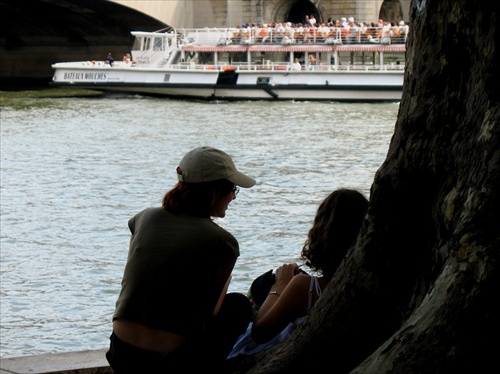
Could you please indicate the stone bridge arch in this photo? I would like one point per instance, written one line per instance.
(366, 11)
(292, 10)
(38, 33)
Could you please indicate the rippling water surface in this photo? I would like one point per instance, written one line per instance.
(75, 169)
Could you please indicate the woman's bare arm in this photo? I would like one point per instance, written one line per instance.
(286, 302)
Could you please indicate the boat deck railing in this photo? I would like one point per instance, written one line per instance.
(288, 67)
(243, 66)
(318, 35)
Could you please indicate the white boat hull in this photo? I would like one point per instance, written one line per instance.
(362, 85)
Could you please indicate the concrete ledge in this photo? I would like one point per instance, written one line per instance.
(83, 362)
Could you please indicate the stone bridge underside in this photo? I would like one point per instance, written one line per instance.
(37, 33)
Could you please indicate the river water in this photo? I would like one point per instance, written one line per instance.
(76, 167)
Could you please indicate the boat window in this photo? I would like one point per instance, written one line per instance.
(146, 44)
(158, 44)
(137, 43)
(263, 80)
(166, 78)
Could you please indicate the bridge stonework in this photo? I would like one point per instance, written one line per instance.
(230, 13)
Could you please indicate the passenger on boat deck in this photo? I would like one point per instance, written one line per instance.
(312, 59)
(351, 36)
(312, 20)
(296, 65)
(290, 31)
(403, 28)
(309, 33)
(284, 299)
(280, 32)
(173, 313)
(127, 58)
(266, 33)
(299, 32)
(109, 59)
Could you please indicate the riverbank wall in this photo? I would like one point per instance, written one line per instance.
(82, 362)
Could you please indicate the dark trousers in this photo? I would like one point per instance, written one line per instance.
(202, 353)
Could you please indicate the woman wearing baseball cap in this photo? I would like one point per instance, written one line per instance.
(173, 313)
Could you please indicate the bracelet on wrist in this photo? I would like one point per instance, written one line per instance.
(274, 293)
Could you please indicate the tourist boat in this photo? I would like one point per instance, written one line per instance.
(240, 64)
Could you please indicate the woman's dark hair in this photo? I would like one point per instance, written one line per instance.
(336, 226)
(196, 199)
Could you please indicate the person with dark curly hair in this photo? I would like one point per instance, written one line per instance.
(290, 293)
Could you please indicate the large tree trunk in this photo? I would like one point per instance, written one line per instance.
(418, 293)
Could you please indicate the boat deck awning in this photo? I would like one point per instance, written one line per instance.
(370, 48)
(214, 48)
(296, 48)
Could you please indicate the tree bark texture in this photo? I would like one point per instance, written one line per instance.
(418, 292)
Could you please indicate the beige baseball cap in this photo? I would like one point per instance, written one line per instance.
(206, 164)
